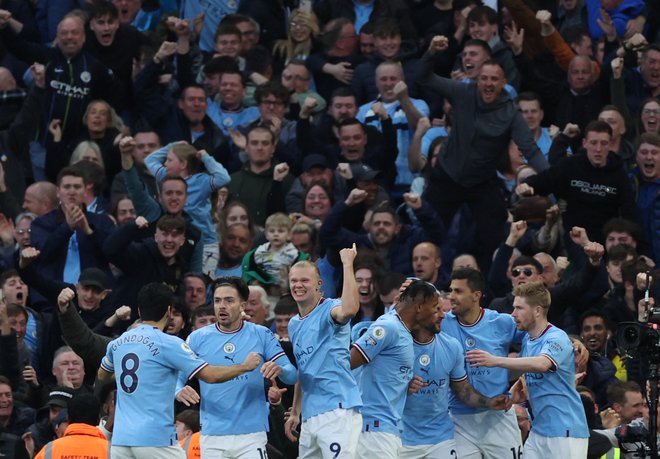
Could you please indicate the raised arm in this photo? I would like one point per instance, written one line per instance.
(350, 300)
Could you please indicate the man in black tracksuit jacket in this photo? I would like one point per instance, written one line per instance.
(594, 185)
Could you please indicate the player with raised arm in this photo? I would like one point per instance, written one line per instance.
(479, 432)
(326, 392)
(226, 430)
(428, 431)
(146, 363)
(547, 358)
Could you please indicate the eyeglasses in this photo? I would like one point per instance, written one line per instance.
(23, 231)
(527, 272)
(651, 111)
(298, 25)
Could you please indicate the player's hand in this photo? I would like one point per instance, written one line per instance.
(416, 383)
(500, 402)
(65, 297)
(251, 362)
(270, 370)
(519, 390)
(480, 358)
(348, 254)
(581, 354)
(610, 418)
(291, 426)
(275, 393)
(188, 396)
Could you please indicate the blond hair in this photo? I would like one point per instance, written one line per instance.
(535, 294)
(278, 220)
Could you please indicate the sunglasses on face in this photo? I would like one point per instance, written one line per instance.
(517, 271)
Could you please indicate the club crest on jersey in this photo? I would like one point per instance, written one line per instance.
(470, 342)
(86, 77)
(229, 348)
(186, 348)
(378, 332)
(228, 122)
(424, 360)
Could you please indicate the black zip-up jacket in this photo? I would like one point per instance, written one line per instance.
(593, 194)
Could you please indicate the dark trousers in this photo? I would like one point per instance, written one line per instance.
(486, 202)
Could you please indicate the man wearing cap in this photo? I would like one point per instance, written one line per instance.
(43, 430)
(386, 235)
(91, 289)
(81, 437)
(315, 169)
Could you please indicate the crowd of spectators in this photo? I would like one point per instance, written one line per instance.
(180, 141)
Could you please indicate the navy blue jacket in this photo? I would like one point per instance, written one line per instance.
(399, 256)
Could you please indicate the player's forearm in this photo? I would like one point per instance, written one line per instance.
(466, 394)
(350, 300)
(539, 364)
(219, 374)
(296, 406)
(289, 374)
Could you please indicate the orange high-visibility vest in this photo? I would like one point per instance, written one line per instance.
(191, 446)
(80, 440)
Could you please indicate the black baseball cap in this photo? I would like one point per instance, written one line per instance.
(364, 173)
(93, 277)
(314, 160)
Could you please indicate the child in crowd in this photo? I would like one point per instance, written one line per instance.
(204, 175)
(269, 263)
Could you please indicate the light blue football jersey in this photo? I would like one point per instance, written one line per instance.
(426, 418)
(555, 404)
(321, 347)
(492, 332)
(248, 410)
(146, 363)
(388, 348)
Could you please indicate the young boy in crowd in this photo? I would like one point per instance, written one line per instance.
(269, 263)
